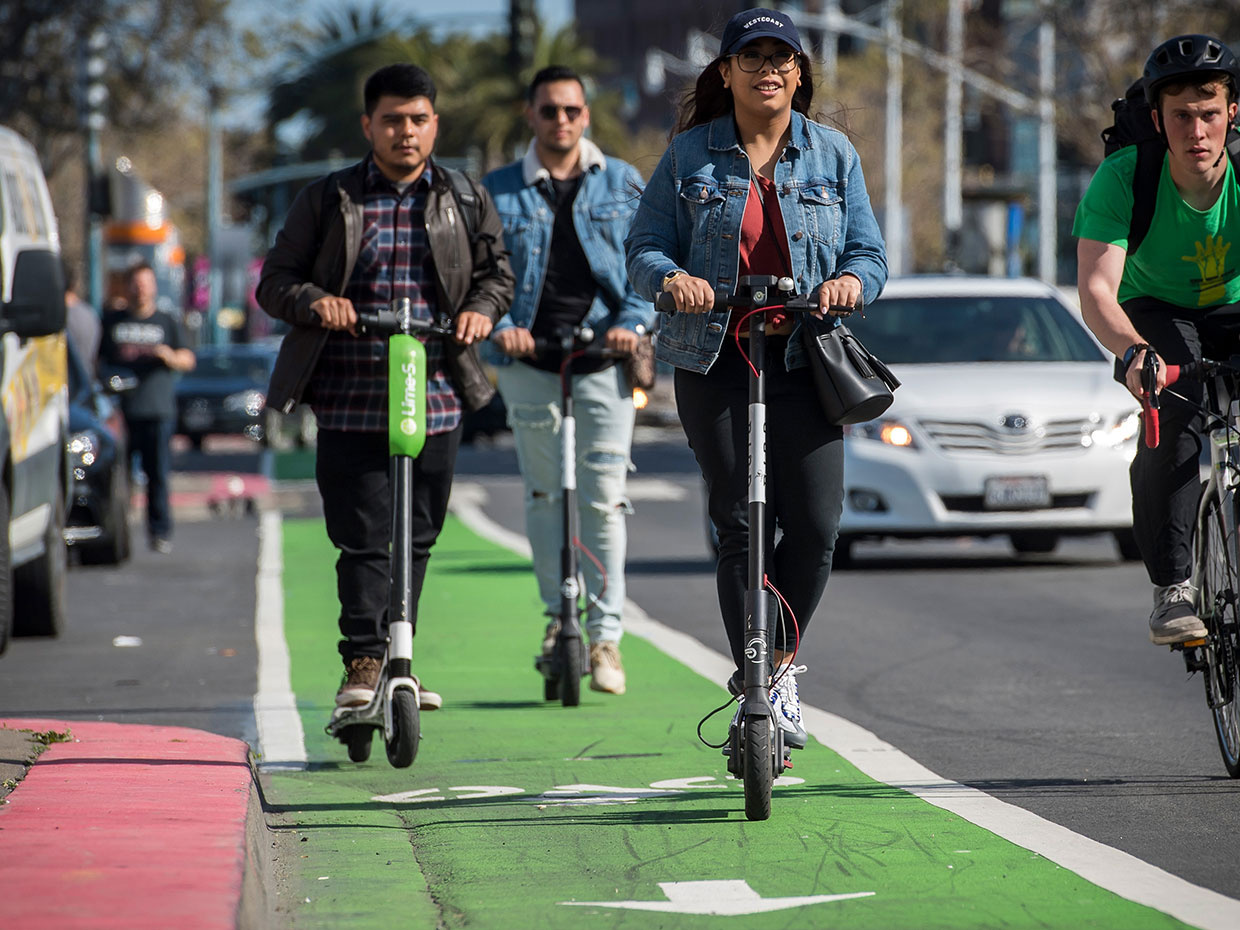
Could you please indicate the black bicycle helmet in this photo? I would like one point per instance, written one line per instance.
(1185, 56)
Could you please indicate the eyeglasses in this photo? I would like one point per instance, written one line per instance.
(750, 60)
(549, 112)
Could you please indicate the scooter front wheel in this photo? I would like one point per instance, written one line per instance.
(357, 740)
(758, 765)
(402, 748)
(571, 670)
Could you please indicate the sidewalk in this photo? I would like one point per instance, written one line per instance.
(128, 826)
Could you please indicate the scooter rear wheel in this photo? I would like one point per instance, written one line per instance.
(759, 769)
(551, 689)
(358, 740)
(402, 748)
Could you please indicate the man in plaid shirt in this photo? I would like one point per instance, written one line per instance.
(389, 227)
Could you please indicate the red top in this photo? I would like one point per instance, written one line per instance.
(764, 240)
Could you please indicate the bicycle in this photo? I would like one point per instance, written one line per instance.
(394, 708)
(755, 748)
(1216, 558)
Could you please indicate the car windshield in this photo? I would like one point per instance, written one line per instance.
(234, 365)
(950, 330)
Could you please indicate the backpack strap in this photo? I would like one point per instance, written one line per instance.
(1145, 190)
(466, 199)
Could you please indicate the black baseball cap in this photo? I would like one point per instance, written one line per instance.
(758, 23)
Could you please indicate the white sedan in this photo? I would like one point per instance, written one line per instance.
(1008, 421)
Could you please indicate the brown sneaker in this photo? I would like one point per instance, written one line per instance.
(361, 676)
(606, 672)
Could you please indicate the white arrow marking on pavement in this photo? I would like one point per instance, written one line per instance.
(717, 899)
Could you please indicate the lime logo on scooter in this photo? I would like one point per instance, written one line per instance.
(407, 395)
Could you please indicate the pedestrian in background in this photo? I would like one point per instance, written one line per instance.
(566, 208)
(751, 185)
(389, 227)
(82, 323)
(149, 344)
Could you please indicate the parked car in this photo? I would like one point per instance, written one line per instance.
(1009, 421)
(98, 522)
(226, 394)
(34, 400)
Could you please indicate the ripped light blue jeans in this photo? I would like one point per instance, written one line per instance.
(603, 408)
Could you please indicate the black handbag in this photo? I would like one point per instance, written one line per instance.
(853, 385)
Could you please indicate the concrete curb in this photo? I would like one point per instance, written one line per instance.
(131, 826)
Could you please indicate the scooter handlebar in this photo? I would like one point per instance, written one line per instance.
(386, 323)
(666, 303)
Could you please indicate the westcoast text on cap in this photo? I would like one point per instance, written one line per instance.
(758, 23)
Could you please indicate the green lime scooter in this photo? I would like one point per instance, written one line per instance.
(394, 708)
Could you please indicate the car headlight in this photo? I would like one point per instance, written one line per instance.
(252, 402)
(891, 432)
(84, 447)
(1123, 429)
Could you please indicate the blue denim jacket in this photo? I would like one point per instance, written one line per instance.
(602, 210)
(690, 219)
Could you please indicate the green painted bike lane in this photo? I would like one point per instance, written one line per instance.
(523, 813)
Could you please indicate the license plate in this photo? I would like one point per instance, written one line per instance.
(1016, 493)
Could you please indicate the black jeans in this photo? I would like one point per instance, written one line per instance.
(1166, 482)
(805, 482)
(353, 471)
(150, 441)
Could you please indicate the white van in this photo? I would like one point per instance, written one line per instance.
(34, 473)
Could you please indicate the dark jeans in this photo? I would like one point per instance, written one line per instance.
(151, 442)
(1166, 482)
(805, 482)
(353, 471)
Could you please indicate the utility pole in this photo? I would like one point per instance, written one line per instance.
(953, 135)
(522, 36)
(1048, 218)
(215, 278)
(893, 138)
(94, 97)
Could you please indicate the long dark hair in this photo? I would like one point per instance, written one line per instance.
(709, 99)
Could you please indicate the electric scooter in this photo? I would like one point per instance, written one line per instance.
(394, 708)
(755, 749)
(563, 670)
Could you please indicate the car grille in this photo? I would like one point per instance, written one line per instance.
(974, 503)
(978, 436)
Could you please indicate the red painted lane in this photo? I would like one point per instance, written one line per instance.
(128, 827)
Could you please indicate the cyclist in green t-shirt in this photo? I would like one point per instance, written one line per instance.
(1177, 294)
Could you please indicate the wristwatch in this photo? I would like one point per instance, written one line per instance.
(669, 277)
(1131, 352)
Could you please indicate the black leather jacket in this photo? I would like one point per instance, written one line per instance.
(313, 257)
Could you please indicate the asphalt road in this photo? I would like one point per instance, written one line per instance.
(1029, 678)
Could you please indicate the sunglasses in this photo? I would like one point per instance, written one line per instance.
(549, 111)
(751, 60)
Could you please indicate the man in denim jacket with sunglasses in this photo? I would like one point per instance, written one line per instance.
(566, 209)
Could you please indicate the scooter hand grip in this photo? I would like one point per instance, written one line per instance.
(1151, 425)
(666, 303)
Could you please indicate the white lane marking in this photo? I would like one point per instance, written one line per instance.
(1109, 868)
(717, 899)
(654, 489)
(281, 739)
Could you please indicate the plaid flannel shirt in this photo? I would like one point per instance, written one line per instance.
(349, 390)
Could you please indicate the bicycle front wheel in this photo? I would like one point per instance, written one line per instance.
(1220, 589)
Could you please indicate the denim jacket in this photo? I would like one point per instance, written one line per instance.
(602, 210)
(690, 215)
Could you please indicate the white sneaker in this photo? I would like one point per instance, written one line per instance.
(1174, 619)
(786, 700)
(606, 672)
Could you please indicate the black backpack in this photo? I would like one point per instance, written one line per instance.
(1135, 126)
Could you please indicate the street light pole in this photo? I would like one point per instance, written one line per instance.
(953, 135)
(215, 279)
(893, 135)
(1048, 233)
(95, 94)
